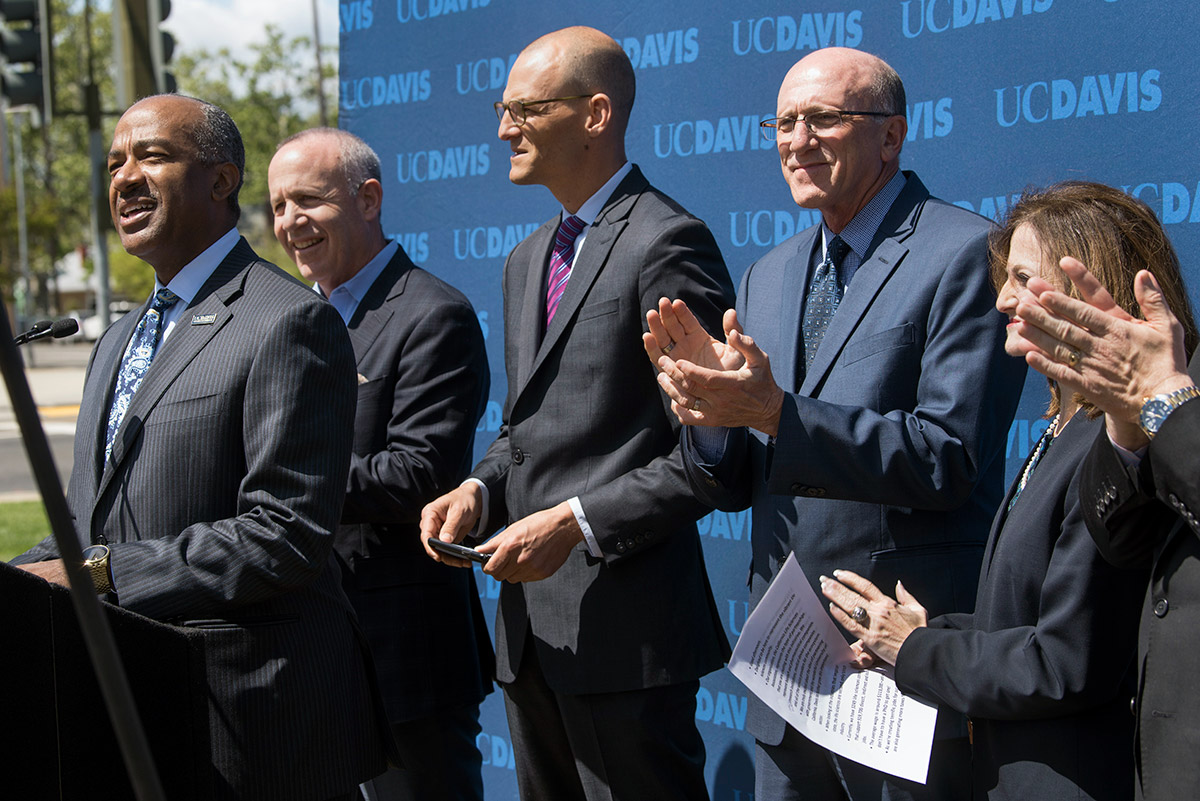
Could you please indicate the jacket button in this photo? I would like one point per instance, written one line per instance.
(1133, 706)
(620, 547)
(1160, 607)
(517, 456)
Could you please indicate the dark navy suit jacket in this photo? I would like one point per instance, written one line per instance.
(1045, 665)
(889, 460)
(1147, 517)
(422, 386)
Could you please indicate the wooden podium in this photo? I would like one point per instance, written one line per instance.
(57, 742)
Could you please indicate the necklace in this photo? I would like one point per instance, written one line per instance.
(1039, 450)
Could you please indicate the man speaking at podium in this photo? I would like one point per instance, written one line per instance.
(211, 455)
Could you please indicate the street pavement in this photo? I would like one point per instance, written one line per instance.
(54, 371)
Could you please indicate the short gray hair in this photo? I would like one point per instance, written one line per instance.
(358, 161)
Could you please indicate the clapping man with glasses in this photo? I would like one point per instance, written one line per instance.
(606, 621)
(859, 400)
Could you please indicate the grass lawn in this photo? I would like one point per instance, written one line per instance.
(22, 524)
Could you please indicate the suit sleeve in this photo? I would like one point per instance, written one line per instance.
(926, 455)
(1074, 657)
(493, 468)
(297, 420)
(441, 383)
(1130, 510)
(683, 261)
(722, 478)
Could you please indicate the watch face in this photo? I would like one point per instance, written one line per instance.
(1154, 412)
(93, 552)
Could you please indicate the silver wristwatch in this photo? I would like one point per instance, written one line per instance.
(1155, 410)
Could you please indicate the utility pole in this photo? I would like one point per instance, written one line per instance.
(320, 68)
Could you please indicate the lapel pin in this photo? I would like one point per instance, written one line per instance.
(204, 319)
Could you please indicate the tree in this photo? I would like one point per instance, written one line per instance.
(270, 92)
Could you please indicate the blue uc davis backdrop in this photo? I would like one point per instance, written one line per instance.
(1003, 94)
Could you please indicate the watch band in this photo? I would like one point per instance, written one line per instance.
(1155, 410)
(96, 562)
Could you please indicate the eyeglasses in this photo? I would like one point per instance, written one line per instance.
(516, 108)
(818, 122)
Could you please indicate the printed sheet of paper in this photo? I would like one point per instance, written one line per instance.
(792, 655)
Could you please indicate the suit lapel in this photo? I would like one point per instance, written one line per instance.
(601, 238)
(185, 342)
(376, 308)
(883, 257)
(528, 335)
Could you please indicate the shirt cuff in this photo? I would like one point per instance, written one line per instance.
(588, 536)
(708, 443)
(481, 526)
(1129, 458)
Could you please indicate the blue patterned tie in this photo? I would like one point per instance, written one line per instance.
(824, 295)
(136, 362)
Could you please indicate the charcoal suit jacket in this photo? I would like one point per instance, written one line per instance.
(584, 417)
(219, 504)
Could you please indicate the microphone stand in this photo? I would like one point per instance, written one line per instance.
(97, 636)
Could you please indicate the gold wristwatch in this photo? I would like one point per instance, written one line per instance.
(95, 561)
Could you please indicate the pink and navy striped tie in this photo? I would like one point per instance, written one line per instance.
(560, 263)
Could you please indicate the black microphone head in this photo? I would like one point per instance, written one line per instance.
(64, 327)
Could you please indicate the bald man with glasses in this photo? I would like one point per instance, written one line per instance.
(872, 438)
(606, 621)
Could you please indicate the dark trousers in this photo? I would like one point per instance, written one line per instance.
(441, 760)
(625, 746)
(799, 770)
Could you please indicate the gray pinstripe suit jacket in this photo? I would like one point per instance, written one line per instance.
(219, 502)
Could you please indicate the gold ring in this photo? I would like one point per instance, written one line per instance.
(1073, 358)
(859, 615)
(666, 349)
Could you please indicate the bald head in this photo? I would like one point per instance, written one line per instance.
(869, 79)
(590, 62)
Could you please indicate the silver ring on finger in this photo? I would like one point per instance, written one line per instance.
(859, 615)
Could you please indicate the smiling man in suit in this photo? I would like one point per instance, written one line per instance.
(422, 386)
(873, 438)
(210, 465)
(606, 621)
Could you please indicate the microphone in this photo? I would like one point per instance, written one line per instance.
(44, 328)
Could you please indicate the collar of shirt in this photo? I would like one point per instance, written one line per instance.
(346, 297)
(859, 232)
(592, 207)
(188, 281)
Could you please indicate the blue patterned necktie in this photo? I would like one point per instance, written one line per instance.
(824, 295)
(136, 362)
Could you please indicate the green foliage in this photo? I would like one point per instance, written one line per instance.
(271, 92)
(271, 96)
(22, 525)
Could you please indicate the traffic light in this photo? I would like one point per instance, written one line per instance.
(142, 49)
(25, 54)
